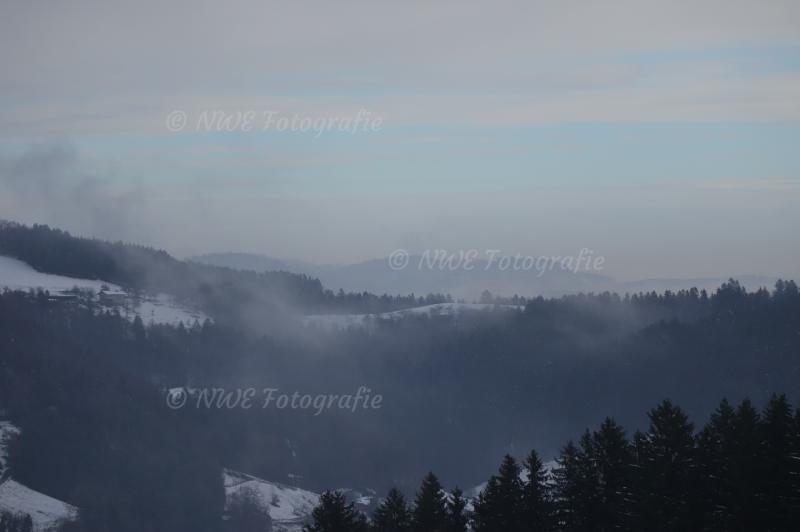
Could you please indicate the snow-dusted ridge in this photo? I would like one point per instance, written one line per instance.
(152, 309)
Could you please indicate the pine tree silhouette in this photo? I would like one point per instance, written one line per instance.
(429, 513)
(780, 501)
(667, 496)
(612, 457)
(334, 514)
(537, 504)
(392, 515)
(718, 468)
(499, 506)
(576, 490)
(457, 519)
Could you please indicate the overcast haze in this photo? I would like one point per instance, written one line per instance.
(662, 136)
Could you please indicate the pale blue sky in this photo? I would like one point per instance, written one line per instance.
(664, 135)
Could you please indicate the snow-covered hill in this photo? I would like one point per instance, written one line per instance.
(289, 507)
(344, 321)
(158, 308)
(46, 512)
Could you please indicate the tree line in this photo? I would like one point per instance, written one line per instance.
(87, 389)
(560, 365)
(740, 472)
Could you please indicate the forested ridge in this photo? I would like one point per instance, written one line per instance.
(87, 388)
(226, 294)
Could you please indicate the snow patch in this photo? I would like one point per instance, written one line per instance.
(152, 309)
(345, 321)
(46, 512)
(162, 309)
(289, 507)
(18, 275)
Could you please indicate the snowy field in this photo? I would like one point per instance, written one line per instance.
(17, 275)
(158, 309)
(289, 507)
(344, 321)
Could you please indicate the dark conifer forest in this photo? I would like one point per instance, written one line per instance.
(739, 472)
(556, 387)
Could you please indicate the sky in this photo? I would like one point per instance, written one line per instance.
(661, 135)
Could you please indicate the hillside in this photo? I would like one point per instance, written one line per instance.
(103, 296)
(259, 300)
(46, 512)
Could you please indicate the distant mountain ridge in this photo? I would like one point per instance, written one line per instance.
(377, 276)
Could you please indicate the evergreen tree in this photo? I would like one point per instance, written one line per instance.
(575, 488)
(536, 498)
(499, 506)
(484, 517)
(795, 456)
(779, 467)
(612, 458)
(746, 468)
(667, 490)
(430, 512)
(335, 514)
(392, 515)
(457, 519)
(716, 445)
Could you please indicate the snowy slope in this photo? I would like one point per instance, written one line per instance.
(288, 507)
(46, 512)
(158, 309)
(344, 321)
(17, 275)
